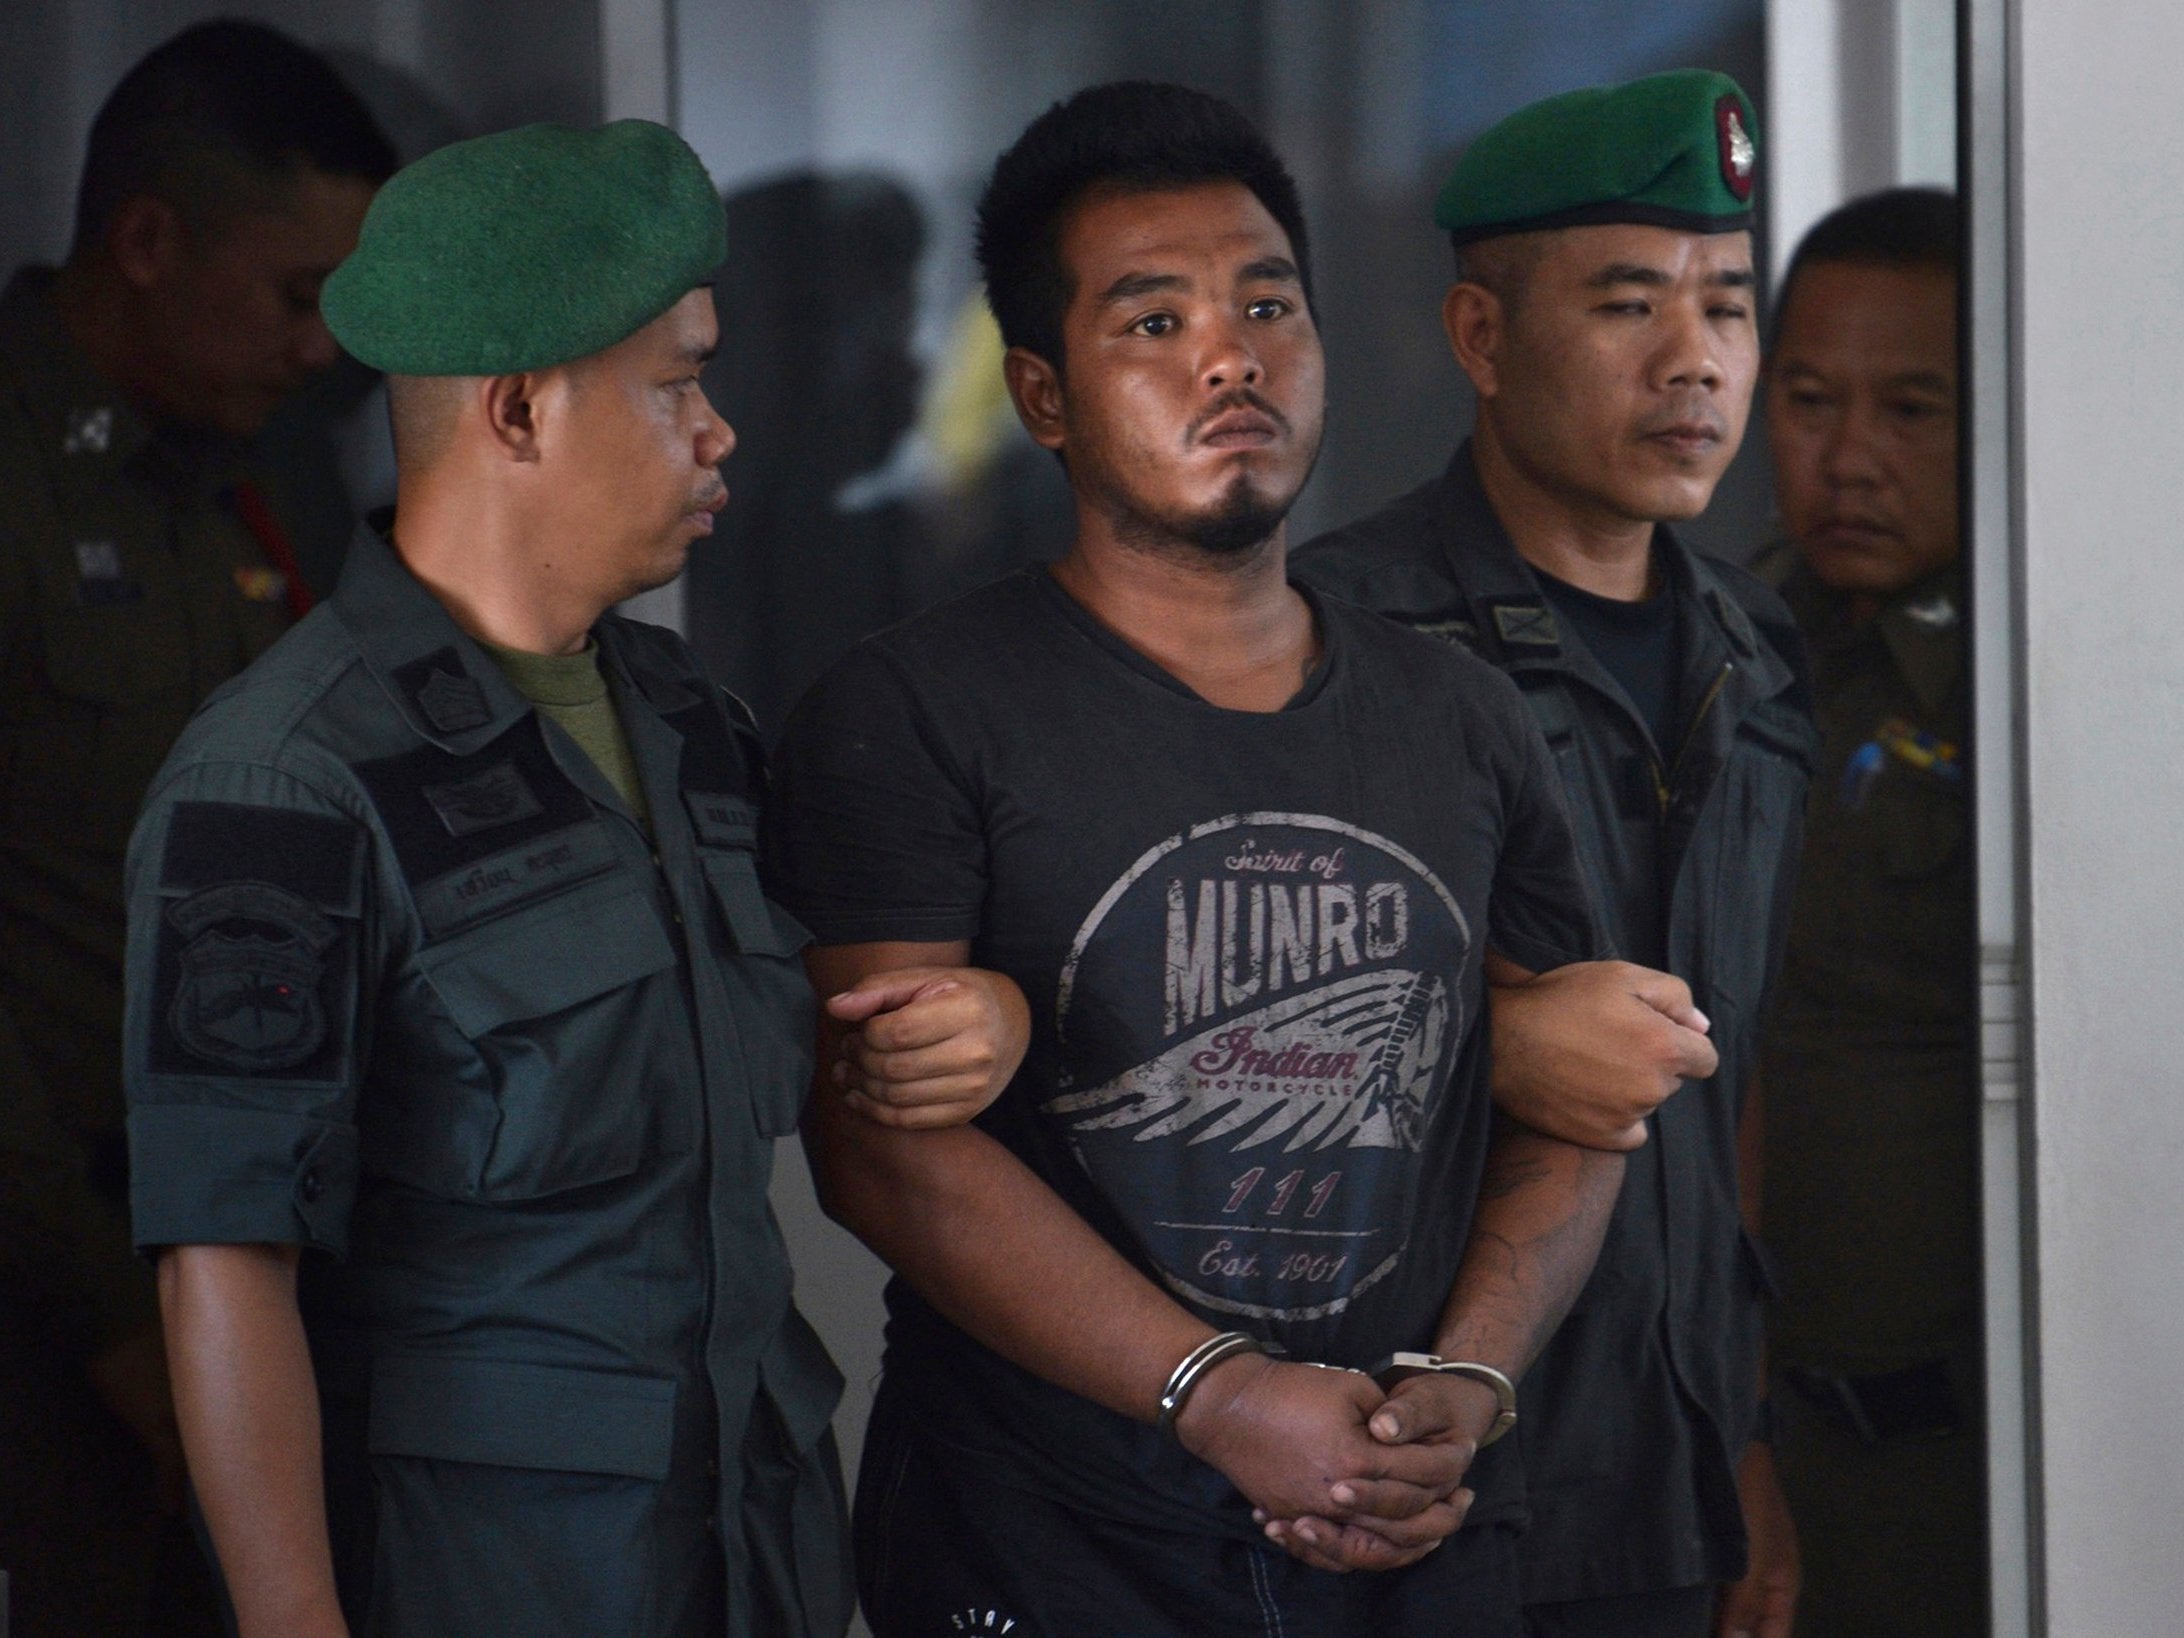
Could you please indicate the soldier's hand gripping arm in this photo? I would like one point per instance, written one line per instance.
(990, 1245)
(1586, 1052)
(927, 1046)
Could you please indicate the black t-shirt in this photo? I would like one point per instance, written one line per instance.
(1635, 644)
(1251, 943)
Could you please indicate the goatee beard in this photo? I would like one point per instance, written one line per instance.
(1229, 534)
(1246, 519)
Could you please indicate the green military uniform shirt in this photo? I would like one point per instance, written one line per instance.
(1871, 1167)
(129, 590)
(411, 988)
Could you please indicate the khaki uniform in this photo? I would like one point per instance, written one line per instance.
(1872, 1193)
(129, 589)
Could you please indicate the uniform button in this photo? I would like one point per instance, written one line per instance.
(311, 1188)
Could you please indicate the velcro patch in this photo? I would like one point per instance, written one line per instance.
(513, 876)
(722, 821)
(497, 796)
(720, 758)
(480, 834)
(1527, 624)
(444, 693)
(255, 964)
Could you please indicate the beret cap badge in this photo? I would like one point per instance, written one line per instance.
(1738, 155)
(1678, 150)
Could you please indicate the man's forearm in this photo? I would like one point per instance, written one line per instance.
(992, 1247)
(1543, 1208)
(978, 1234)
(249, 1411)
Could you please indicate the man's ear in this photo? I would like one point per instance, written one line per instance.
(1477, 327)
(512, 413)
(146, 237)
(1035, 388)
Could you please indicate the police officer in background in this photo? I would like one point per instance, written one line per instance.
(1604, 311)
(1872, 1167)
(141, 565)
(459, 1027)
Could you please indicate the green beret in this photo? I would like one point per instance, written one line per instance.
(1677, 150)
(526, 249)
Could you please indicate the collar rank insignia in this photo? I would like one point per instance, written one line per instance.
(1935, 613)
(1739, 156)
(90, 432)
(453, 702)
(1526, 624)
(497, 796)
(249, 992)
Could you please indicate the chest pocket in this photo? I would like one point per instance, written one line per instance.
(760, 946)
(568, 1039)
(117, 691)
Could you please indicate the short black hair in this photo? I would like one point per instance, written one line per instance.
(1137, 136)
(221, 118)
(1897, 227)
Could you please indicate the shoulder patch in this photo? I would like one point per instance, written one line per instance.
(255, 960)
(247, 996)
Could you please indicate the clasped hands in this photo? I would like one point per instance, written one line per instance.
(1340, 1474)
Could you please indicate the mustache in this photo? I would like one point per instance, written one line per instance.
(1692, 411)
(717, 490)
(1235, 398)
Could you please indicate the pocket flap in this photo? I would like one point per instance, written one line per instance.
(500, 1413)
(760, 926)
(548, 957)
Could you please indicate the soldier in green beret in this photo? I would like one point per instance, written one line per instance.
(460, 1027)
(1872, 1159)
(145, 558)
(1603, 308)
